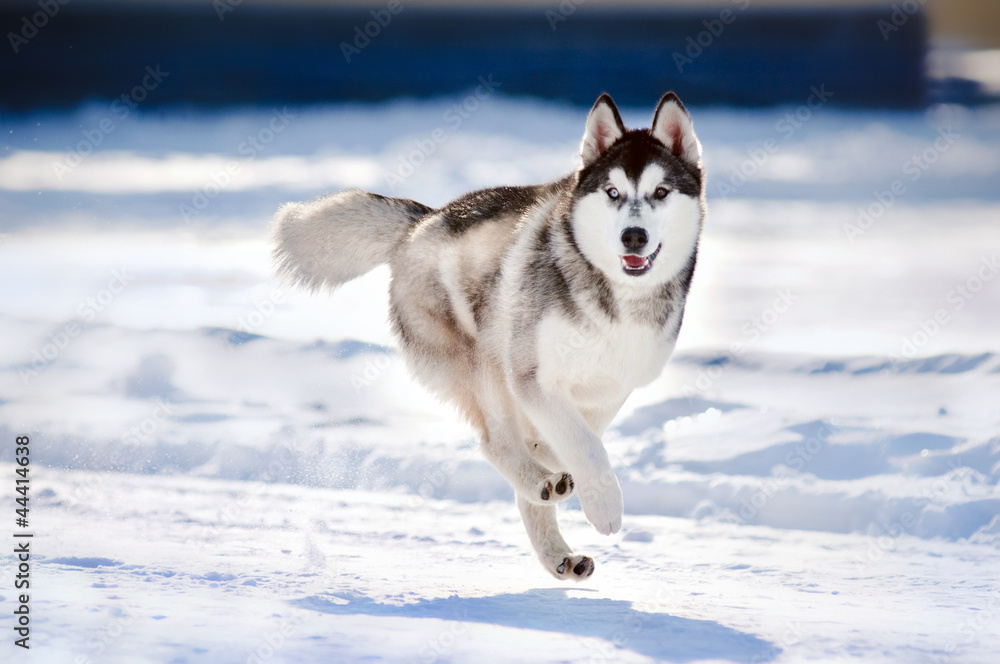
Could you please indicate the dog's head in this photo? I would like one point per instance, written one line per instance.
(637, 208)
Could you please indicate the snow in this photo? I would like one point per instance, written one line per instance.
(228, 470)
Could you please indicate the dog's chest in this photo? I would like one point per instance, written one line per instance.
(600, 364)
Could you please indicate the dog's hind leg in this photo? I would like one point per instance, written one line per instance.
(504, 446)
(552, 550)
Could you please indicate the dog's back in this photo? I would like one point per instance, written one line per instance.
(443, 291)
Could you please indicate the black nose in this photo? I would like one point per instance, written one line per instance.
(634, 238)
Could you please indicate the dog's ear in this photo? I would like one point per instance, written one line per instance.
(604, 127)
(672, 126)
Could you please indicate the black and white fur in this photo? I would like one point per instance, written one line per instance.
(536, 310)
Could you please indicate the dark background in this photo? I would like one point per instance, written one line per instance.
(265, 53)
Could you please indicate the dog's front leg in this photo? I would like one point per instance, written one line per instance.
(552, 550)
(504, 446)
(580, 449)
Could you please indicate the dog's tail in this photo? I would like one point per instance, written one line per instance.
(333, 239)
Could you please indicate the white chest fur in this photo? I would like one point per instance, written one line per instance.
(599, 365)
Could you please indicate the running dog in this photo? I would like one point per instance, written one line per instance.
(536, 310)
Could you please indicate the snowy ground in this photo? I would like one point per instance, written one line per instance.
(225, 470)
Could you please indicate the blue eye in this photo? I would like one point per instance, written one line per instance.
(612, 193)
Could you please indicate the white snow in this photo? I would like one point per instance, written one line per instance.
(228, 470)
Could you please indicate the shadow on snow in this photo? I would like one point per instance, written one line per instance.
(657, 635)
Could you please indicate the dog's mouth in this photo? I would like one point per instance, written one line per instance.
(636, 265)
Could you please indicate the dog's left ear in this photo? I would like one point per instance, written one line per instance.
(672, 126)
(604, 127)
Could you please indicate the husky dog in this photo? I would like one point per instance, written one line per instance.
(535, 310)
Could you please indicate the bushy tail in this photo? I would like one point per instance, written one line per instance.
(333, 239)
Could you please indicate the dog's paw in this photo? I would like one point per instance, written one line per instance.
(555, 488)
(602, 504)
(573, 567)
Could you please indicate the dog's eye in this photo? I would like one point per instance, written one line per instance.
(661, 193)
(612, 193)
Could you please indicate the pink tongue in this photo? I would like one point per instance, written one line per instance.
(634, 261)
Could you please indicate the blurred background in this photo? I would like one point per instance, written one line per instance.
(838, 370)
(845, 281)
(746, 52)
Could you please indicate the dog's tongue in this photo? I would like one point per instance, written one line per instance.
(634, 261)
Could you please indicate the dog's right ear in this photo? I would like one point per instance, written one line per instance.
(604, 127)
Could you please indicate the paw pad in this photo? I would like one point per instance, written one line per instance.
(563, 487)
(583, 568)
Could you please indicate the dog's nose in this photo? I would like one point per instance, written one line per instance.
(634, 238)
